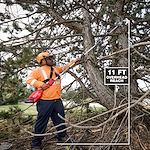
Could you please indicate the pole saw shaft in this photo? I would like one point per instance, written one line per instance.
(100, 41)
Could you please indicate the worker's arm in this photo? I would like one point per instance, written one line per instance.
(72, 64)
(32, 79)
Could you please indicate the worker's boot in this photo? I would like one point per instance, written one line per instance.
(66, 139)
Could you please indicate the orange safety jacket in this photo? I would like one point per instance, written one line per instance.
(42, 73)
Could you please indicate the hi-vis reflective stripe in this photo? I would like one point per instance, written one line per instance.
(33, 81)
(55, 70)
(44, 73)
(67, 66)
(29, 78)
(58, 82)
(63, 68)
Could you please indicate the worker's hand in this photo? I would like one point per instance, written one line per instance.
(78, 59)
(45, 86)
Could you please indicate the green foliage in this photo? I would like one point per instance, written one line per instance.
(13, 91)
(75, 95)
(14, 115)
(68, 94)
(11, 118)
(22, 106)
(10, 113)
(67, 148)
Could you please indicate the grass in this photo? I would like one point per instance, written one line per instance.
(22, 106)
(32, 110)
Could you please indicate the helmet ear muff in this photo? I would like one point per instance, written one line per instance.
(44, 57)
(41, 61)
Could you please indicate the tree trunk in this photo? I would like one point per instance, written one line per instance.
(122, 44)
(103, 92)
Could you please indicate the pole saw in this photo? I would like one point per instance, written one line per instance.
(35, 96)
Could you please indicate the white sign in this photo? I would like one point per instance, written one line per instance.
(116, 76)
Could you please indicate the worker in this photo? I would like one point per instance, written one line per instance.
(50, 103)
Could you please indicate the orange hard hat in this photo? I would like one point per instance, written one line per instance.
(42, 56)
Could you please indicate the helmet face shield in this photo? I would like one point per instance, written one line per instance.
(52, 62)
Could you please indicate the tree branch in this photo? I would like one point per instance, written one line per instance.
(124, 50)
(82, 85)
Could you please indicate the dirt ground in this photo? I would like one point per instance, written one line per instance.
(25, 144)
(139, 141)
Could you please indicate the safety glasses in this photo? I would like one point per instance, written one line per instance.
(48, 57)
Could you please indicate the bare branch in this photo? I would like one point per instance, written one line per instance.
(124, 50)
